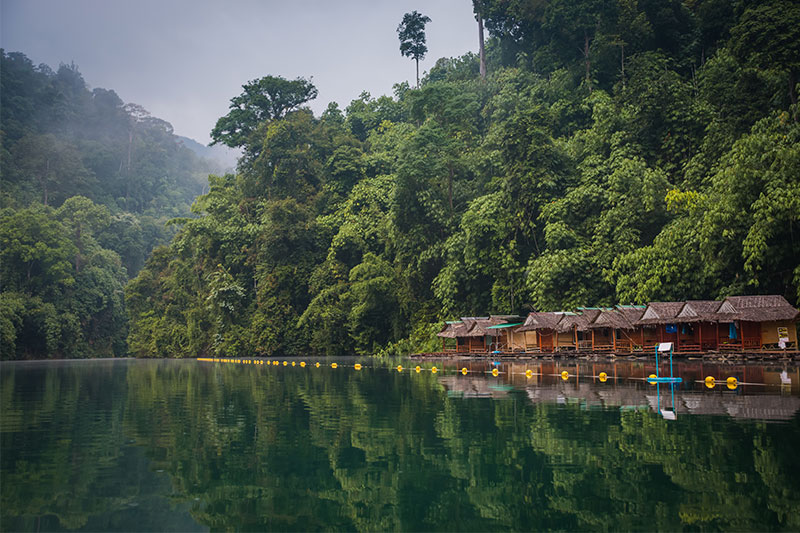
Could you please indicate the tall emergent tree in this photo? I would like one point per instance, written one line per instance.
(412, 37)
(263, 99)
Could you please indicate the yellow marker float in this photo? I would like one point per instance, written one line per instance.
(529, 374)
(317, 365)
(464, 371)
(417, 369)
(603, 377)
(651, 379)
(710, 382)
(293, 363)
(334, 365)
(285, 363)
(495, 372)
(565, 375)
(303, 364)
(399, 368)
(732, 383)
(434, 370)
(357, 366)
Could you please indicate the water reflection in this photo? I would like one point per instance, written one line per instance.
(179, 445)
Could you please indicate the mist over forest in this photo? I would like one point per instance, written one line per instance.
(606, 152)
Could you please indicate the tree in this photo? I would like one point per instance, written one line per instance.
(477, 9)
(769, 35)
(266, 98)
(412, 37)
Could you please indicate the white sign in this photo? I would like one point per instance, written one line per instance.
(665, 346)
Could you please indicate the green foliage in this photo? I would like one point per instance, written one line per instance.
(267, 98)
(620, 151)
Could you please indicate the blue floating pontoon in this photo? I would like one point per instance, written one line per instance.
(663, 347)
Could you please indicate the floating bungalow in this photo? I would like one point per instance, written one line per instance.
(739, 324)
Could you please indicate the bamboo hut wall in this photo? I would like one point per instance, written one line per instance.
(566, 338)
(531, 340)
(769, 331)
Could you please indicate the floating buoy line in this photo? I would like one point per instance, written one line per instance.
(731, 382)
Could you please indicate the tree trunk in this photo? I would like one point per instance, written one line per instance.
(586, 59)
(450, 187)
(417, 61)
(481, 50)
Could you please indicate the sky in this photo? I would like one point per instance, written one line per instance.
(183, 60)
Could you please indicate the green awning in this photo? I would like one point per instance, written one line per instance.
(505, 325)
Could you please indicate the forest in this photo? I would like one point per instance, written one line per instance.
(604, 152)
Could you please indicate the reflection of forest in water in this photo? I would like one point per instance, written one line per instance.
(177, 445)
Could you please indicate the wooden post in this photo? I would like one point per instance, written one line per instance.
(593, 341)
(641, 332)
(716, 343)
(614, 340)
(555, 340)
(700, 335)
(575, 334)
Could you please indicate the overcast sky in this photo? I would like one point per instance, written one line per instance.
(183, 60)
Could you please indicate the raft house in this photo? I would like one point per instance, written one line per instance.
(737, 324)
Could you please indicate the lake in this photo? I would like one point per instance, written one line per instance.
(186, 445)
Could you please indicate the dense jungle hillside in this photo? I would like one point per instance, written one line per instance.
(615, 152)
(87, 184)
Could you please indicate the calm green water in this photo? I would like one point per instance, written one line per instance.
(188, 445)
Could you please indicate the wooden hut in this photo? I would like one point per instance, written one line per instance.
(543, 328)
(455, 330)
(475, 339)
(697, 325)
(757, 322)
(573, 329)
(503, 335)
(613, 329)
(657, 324)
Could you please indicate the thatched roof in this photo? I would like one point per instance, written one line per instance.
(623, 317)
(698, 311)
(579, 320)
(537, 321)
(451, 330)
(756, 309)
(480, 327)
(660, 313)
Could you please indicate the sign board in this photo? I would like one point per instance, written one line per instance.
(783, 331)
(664, 346)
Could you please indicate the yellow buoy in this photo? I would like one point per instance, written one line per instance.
(565, 375)
(285, 363)
(334, 365)
(417, 369)
(434, 370)
(293, 363)
(275, 363)
(399, 368)
(710, 382)
(495, 372)
(529, 373)
(357, 366)
(303, 364)
(732, 382)
(464, 371)
(317, 365)
(651, 379)
(603, 377)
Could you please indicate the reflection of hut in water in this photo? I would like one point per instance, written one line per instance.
(474, 387)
